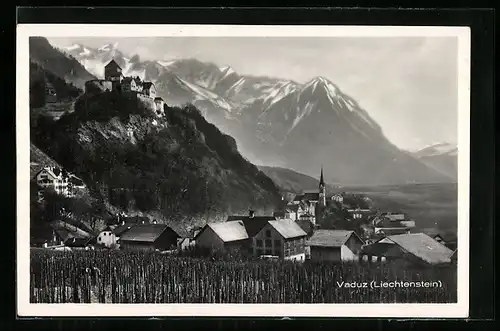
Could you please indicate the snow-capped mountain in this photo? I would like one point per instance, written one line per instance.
(442, 157)
(277, 121)
(442, 148)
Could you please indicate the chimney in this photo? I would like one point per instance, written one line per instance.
(251, 213)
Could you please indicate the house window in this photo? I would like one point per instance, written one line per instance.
(287, 252)
(269, 251)
(259, 243)
(268, 233)
(269, 242)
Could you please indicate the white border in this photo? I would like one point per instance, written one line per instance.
(25, 308)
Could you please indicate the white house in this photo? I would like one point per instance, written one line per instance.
(53, 177)
(107, 238)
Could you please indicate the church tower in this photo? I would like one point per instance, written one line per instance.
(322, 190)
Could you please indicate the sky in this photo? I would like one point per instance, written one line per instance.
(407, 84)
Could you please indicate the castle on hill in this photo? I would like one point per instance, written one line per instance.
(115, 81)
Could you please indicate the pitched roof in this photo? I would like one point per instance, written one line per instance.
(311, 196)
(158, 99)
(77, 242)
(144, 232)
(330, 238)
(288, 228)
(306, 225)
(423, 247)
(121, 229)
(446, 237)
(147, 85)
(128, 80)
(112, 63)
(229, 231)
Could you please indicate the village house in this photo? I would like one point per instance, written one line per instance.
(413, 249)
(335, 245)
(59, 180)
(359, 213)
(107, 238)
(225, 236)
(392, 224)
(338, 197)
(54, 178)
(282, 238)
(146, 237)
(291, 211)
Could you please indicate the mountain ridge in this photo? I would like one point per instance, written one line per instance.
(280, 122)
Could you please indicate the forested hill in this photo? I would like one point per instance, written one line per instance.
(53, 60)
(39, 77)
(180, 165)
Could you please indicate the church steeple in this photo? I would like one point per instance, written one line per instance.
(321, 180)
(322, 189)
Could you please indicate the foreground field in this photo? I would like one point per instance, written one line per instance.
(121, 277)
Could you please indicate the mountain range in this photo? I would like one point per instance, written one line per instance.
(279, 122)
(441, 157)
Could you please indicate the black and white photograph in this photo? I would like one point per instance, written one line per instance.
(243, 168)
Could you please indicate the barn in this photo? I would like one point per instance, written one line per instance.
(149, 237)
(412, 249)
(334, 245)
(224, 236)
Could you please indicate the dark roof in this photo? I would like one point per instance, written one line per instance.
(144, 232)
(330, 238)
(252, 224)
(298, 197)
(147, 85)
(306, 225)
(288, 228)
(447, 237)
(112, 63)
(135, 219)
(279, 213)
(311, 196)
(121, 229)
(158, 99)
(138, 80)
(77, 242)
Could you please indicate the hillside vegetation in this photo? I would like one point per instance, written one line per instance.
(51, 59)
(181, 165)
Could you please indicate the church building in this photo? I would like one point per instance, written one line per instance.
(314, 201)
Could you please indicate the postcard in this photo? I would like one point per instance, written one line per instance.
(215, 170)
